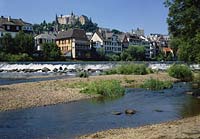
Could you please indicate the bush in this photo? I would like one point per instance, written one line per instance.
(15, 57)
(107, 88)
(83, 74)
(137, 69)
(182, 72)
(153, 84)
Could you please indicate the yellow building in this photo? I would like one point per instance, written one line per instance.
(73, 43)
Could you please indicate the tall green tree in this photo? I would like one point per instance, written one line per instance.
(184, 28)
(24, 43)
(7, 44)
(133, 53)
(51, 51)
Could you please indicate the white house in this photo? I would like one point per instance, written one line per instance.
(43, 38)
(109, 42)
(13, 26)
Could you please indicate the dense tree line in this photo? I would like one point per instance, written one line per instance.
(184, 28)
(22, 48)
(50, 27)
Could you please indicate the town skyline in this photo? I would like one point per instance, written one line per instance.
(122, 15)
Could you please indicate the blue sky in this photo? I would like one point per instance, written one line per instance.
(120, 14)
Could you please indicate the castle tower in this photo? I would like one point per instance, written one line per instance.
(56, 26)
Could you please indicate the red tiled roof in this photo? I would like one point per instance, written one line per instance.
(167, 49)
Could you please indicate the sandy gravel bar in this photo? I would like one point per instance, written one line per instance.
(43, 93)
(188, 128)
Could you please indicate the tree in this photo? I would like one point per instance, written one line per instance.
(51, 51)
(133, 53)
(7, 43)
(184, 26)
(115, 31)
(24, 43)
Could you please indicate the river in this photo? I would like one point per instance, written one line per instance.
(65, 121)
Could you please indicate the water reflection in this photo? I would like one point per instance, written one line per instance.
(103, 100)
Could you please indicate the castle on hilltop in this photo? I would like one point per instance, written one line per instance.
(71, 19)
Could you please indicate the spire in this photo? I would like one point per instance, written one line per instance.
(72, 14)
(56, 18)
(56, 25)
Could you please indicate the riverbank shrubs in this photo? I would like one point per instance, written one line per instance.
(154, 84)
(83, 74)
(181, 72)
(14, 57)
(137, 69)
(107, 88)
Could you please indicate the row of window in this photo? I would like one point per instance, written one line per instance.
(8, 27)
(27, 28)
(65, 48)
(112, 43)
(63, 41)
(43, 41)
(113, 49)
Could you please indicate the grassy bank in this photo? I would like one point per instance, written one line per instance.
(154, 84)
(128, 69)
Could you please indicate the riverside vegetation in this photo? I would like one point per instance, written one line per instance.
(136, 69)
(154, 84)
(181, 72)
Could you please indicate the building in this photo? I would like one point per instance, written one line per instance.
(13, 26)
(135, 40)
(83, 19)
(43, 38)
(107, 41)
(159, 42)
(71, 19)
(74, 43)
(124, 40)
(138, 32)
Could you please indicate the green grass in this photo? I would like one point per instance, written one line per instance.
(153, 84)
(136, 69)
(107, 88)
(181, 72)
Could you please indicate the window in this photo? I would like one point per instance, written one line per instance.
(8, 27)
(17, 27)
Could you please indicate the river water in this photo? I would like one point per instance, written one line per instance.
(65, 121)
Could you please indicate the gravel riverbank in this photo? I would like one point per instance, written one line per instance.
(188, 128)
(25, 95)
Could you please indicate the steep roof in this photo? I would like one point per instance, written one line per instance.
(45, 36)
(107, 35)
(11, 21)
(2, 30)
(121, 37)
(72, 33)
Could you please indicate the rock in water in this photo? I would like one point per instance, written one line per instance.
(130, 111)
(55, 70)
(116, 113)
(158, 110)
(45, 69)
